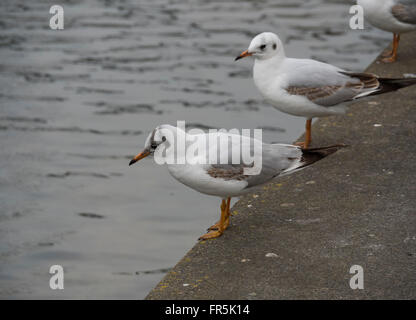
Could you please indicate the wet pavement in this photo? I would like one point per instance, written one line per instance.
(76, 104)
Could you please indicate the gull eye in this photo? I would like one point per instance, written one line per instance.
(153, 145)
(262, 47)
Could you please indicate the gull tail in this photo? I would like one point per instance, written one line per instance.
(387, 85)
(371, 85)
(312, 155)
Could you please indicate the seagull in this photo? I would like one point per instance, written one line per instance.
(215, 172)
(309, 88)
(397, 16)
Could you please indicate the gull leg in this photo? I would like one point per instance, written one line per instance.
(217, 225)
(393, 56)
(227, 214)
(390, 52)
(308, 135)
(216, 233)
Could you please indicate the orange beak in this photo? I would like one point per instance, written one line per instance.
(140, 156)
(243, 55)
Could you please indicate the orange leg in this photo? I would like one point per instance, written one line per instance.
(227, 217)
(389, 53)
(217, 225)
(217, 229)
(393, 55)
(308, 135)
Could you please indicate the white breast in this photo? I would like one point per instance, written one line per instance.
(196, 177)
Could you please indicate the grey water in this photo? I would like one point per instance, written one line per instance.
(76, 105)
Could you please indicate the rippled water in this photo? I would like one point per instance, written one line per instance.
(76, 104)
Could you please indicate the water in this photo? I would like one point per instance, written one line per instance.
(76, 105)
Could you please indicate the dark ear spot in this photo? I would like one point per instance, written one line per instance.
(274, 46)
(163, 138)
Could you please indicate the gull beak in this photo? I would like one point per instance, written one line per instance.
(243, 55)
(140, 156)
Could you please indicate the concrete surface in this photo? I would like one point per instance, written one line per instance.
(357, 206)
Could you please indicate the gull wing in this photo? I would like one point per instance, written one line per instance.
(405, 11)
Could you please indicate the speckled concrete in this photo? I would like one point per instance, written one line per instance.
(357, 206)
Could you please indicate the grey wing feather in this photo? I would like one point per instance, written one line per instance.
(405, 11)
(325, 96)
(276, 158)
(347, 87)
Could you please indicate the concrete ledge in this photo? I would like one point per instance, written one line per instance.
(357, 206)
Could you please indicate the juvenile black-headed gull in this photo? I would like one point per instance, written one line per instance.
(309, 88)
(226, 177)
(397, 16)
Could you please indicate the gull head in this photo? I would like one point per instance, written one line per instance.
(157, 137)
(265, 45)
